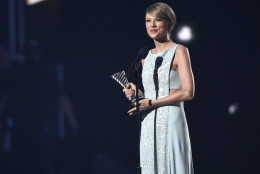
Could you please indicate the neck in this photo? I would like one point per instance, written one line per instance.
(160, 44)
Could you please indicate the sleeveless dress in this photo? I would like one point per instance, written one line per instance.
(165, 143)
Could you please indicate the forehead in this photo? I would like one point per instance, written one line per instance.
(147, 15)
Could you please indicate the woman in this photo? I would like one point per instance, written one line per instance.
(168, 82)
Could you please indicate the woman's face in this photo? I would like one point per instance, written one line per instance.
(155, 27)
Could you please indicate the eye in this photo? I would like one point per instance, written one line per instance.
(158, 19)
(147, 20)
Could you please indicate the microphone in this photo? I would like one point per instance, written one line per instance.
(142, 53)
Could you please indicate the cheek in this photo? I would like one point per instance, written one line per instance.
(146, 27)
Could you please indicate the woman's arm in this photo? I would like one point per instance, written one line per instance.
(186, 77)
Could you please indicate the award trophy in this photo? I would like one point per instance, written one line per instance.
(121, 78)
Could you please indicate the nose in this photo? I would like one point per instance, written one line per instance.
(153, 23)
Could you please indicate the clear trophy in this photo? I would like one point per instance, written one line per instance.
(121, 78)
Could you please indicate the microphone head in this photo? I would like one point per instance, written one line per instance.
(142, 53)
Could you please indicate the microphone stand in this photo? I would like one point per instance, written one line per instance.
(142, 53)
(139, 169)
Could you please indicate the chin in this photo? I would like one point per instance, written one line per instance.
(153, 36)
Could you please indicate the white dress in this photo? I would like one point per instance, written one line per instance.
(165, 143)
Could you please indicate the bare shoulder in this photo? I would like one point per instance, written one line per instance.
(181, 53)
(181, 50)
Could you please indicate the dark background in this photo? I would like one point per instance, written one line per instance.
(94, 39)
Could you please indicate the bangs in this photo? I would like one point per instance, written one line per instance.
(158, 12)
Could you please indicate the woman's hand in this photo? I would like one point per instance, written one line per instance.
(143, 105)
(129, 90)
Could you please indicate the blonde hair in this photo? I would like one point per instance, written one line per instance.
(163, 12)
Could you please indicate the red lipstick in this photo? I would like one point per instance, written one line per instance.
(153, 30)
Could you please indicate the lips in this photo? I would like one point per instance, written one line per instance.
(153, 31)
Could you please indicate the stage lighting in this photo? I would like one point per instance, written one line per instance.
(232, 109)
(32, 2)
(185, 34)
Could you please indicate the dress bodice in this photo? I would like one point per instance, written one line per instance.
(156, 75)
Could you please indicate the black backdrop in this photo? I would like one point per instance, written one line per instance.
(94, 39)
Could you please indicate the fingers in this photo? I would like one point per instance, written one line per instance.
(143, 105)
(132, 111)
(129, 92)
(131, 86)
(128, 86)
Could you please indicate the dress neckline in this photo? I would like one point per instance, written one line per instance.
(163, 51)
